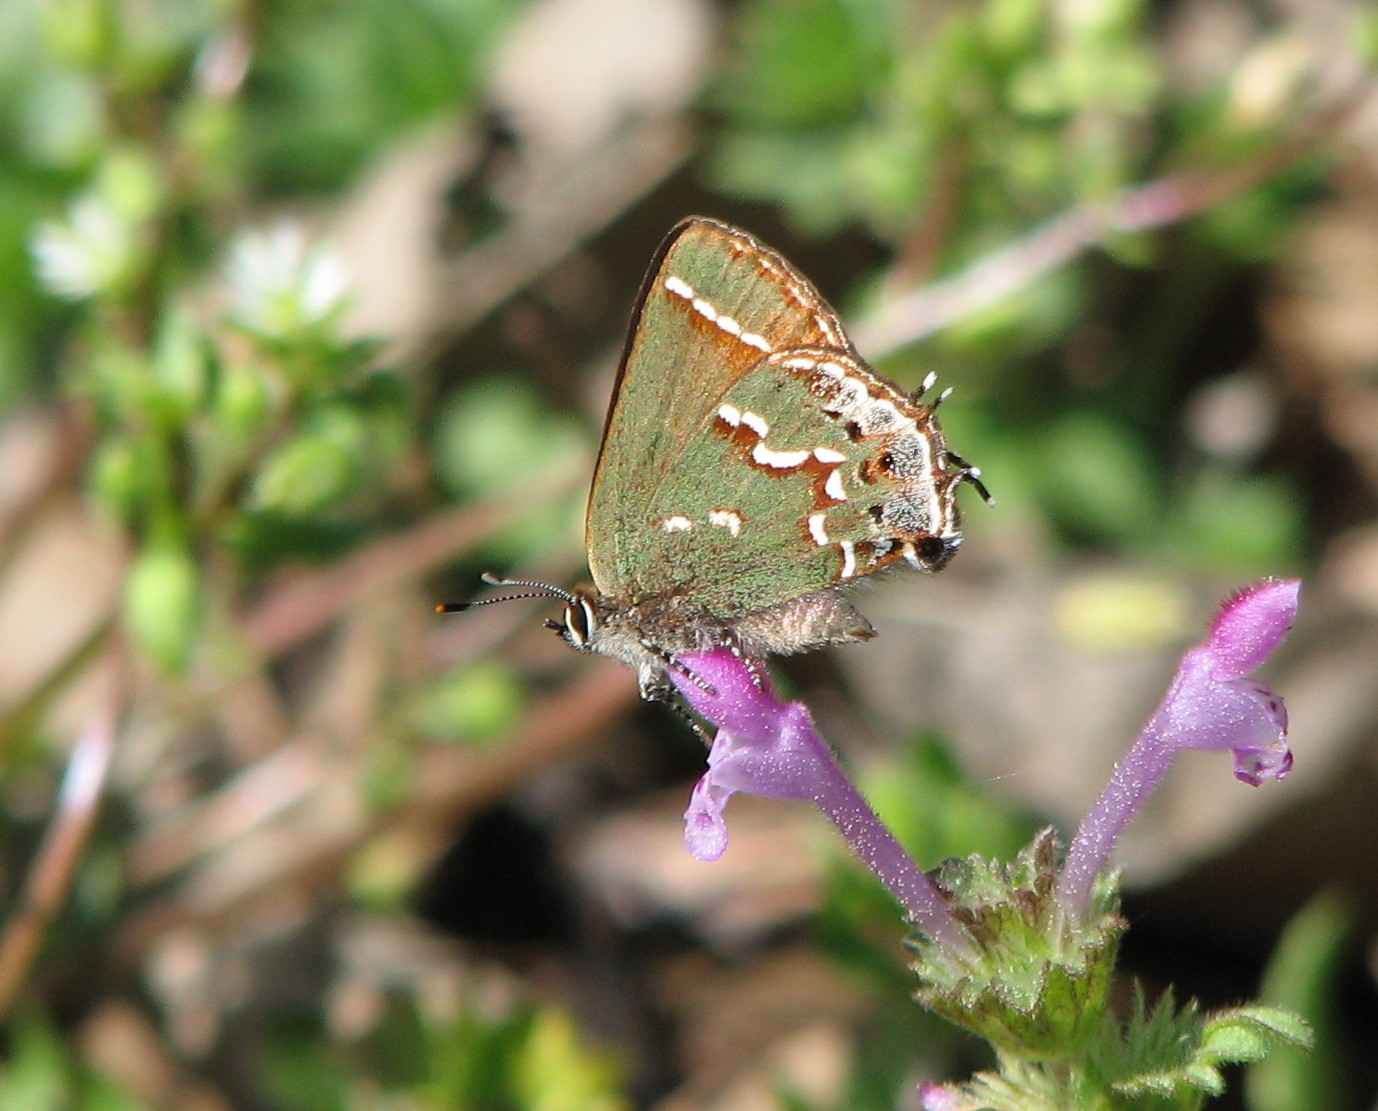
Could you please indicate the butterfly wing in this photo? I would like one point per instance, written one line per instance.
(811, 472)
(750, 456)
(714, 303)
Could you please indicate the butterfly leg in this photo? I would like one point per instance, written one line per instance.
(656, 689)
(671, 662)
(686, 715)
(754, 667)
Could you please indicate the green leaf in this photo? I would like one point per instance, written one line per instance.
(242, 401)
(334, 82)
(300, 1070)
(1250, 1032)
(180, 366)
(1304, 974)
(555, 1073)
(37, 1075)
(163, 602)
(1176, 1055)
(797, 169)
(1241, 525)
(40, 1073)
(807, 62)
(499, 435)
(311, 472)
(477, 703)
(1097, 479)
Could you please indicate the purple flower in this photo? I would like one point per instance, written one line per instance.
(939, 1097)
(771, 748)
(764, 746)
(1212, 704)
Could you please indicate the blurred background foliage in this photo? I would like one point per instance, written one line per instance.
(309, 313)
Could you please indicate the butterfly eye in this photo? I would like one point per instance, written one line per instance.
(935, 551)
(581, 619)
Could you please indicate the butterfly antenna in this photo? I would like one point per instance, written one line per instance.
(929, 381)
(538, 590)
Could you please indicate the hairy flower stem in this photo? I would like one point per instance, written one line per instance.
(1135, 778)
(876, 846)
(772, 748)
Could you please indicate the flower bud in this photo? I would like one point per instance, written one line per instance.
(1036, 982)
(162, 603)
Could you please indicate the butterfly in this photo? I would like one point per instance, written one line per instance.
(752, 465)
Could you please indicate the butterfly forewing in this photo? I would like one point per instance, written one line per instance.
(715, 303)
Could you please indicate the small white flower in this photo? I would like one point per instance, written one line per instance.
(279, 285)
(88, 253)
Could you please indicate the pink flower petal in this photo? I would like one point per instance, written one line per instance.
(705, 831)
(1250, 625)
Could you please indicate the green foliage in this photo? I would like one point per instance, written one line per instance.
(162, 602)
(1172, 1058)
(527, 1060)
(473, 704)
(338, 81)
(1028, 104)
(1095, 478)
(39, 1074)
(1164, 1058)
(1304, 975)
(1033, 983)
(497, 437)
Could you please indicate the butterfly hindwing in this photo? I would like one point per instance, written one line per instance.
(810, 473)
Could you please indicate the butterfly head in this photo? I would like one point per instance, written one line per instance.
(581, 622)
(593, 623)
(580, 626)
(933, 553)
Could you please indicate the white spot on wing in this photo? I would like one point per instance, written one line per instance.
(848, 558)
(816, 529)
(726, 518)
(677, 524)
(682, 289)
(828, 455)
(780, 460)
(833, 487)
(730, 414)
(852, 398)
(757, 423)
